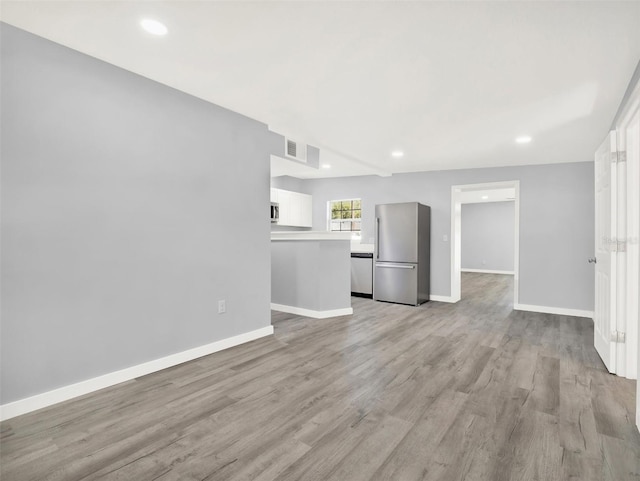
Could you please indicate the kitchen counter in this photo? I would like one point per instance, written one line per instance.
(307, 235)
(358, 248)
(311, 273)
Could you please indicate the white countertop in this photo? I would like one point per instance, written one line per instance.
(362, 248)
(307, 235)
(303, 235)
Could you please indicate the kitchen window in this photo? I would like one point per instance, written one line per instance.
(345, 216)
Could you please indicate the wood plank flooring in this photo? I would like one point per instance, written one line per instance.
(471, 391)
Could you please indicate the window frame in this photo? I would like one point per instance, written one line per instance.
(355, 233)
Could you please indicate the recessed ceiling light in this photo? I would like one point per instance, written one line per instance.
(326, 166)
(153, 26)
(484, 197)
(523, 139)
(397, 154)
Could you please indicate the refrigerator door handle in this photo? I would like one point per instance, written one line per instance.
(377, 238)
(395, 266)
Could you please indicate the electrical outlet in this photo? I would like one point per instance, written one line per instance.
(222, 307)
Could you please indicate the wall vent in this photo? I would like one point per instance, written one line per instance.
(295, 150)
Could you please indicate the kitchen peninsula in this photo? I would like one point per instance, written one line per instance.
(310, 273)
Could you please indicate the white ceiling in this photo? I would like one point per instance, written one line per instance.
(449, 83)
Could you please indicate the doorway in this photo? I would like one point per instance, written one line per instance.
(482, 193)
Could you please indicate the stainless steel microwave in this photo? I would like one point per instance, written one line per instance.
(275, 212)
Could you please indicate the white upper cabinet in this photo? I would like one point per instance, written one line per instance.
(295, 208)
(306, 210)
(284, 201)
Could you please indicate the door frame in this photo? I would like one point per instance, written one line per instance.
(627, 319)
(456, 233)
(605, 314)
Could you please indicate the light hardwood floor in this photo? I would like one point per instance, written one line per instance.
(471, 391)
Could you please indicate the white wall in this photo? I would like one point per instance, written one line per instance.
(556, 222)
(488, 235)
(128, 209)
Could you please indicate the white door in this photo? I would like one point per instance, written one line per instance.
(605, 300)
(628, 136)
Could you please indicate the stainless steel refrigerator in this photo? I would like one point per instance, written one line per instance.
(402, 250)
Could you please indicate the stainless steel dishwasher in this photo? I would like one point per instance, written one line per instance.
(362, 274)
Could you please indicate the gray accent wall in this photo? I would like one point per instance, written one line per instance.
(286, 182)
(311, 274)
(128, 210)
(556, 222)
(488, 235)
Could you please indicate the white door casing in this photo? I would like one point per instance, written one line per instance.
(619, 166)
(604, 318)
(628, 137)
(456, 234)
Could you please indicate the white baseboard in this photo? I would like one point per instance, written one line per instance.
(437, 298)
(23, 406)
(487, 271)
(300, 311)
(553, 310)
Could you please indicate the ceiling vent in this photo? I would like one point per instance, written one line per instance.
(295, 150)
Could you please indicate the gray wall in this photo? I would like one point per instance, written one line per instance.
(488, 236)
(286, 182)
(556, 222)
(128, 210)
(311, 274)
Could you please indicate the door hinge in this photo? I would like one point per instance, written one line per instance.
(619, 156)
(617, 336)
(619, 246)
